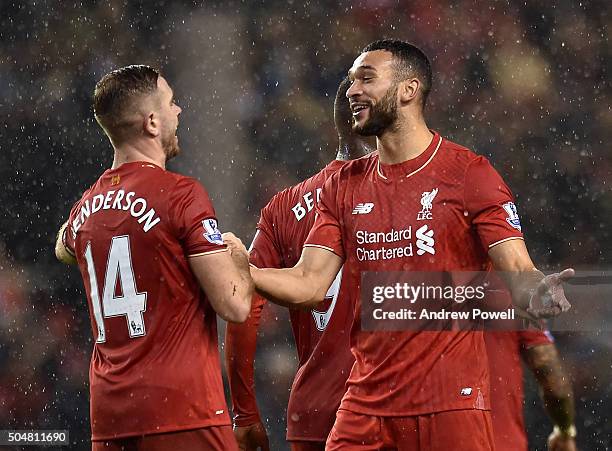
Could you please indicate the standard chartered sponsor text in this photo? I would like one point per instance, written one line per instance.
(384, 253)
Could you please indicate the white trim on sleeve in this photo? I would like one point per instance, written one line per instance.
(506, 239)
(320, 246)
(207, 253)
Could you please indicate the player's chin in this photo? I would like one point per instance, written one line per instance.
(173, 151)
(362, 129)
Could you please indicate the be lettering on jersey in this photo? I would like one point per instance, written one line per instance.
(300, 211)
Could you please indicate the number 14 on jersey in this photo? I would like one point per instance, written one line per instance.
(119, 295)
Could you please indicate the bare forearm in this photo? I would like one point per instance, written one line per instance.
(287, 287)
(556, 389)
(539, 295)
(560, 409)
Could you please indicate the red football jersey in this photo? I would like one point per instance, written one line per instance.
(504, 352)
(441, 211)
(155, 363)
(322, 338)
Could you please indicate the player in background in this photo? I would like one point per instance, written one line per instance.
(411, 390)
(321, 334)
(155, 270)
(536, 348)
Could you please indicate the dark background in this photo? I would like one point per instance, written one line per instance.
(524, 83)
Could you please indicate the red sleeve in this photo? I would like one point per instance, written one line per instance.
(69, 237)
(326, 232)
(490, 204)
(530, 338)
(265, 251)
(241, 339)
(193, 218)
(240, 347)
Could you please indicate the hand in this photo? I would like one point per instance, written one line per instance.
(550, 295)
(234, 244)
(252, 437)
(558, 441)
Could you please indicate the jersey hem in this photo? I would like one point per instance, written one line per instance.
(206, 253)
(163, 430)
(409, 413)
(297, 438)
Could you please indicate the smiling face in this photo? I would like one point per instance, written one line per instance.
(373, 93)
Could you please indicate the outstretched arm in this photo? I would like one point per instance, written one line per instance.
(303, 285)
(539, 295)
(556, 390)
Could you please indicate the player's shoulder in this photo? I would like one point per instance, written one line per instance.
(288, 196)
(459, 153)
(91, 190)
(358, 166)
(463, 159)
(180, 182)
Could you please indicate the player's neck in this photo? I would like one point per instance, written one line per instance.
(351, 148)
(137, 151)
(404, 143)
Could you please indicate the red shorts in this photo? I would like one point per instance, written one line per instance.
(307, 446)
(469, 430)
(217, 438)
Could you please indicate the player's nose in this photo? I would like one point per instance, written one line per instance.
(353, 90)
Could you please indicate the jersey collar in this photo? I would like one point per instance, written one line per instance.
(411, 167)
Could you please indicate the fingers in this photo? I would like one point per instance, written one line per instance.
(544, 312)
(567, 274)
(550, 294)
(229, 237)
(233, 242)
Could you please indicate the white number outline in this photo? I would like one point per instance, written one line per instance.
(101, 308)
(321, 319)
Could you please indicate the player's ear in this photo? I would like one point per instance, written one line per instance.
(409, 89)
(152, 124)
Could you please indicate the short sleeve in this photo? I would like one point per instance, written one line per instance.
(194, 220)
(326, 232)
(490, 204)
(69, 236)
(265, 251)
(530, 338)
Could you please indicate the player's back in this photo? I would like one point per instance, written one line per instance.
(322, 334)
(155, 363)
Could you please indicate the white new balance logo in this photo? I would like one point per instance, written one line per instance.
(363, 209)
(425, 241)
